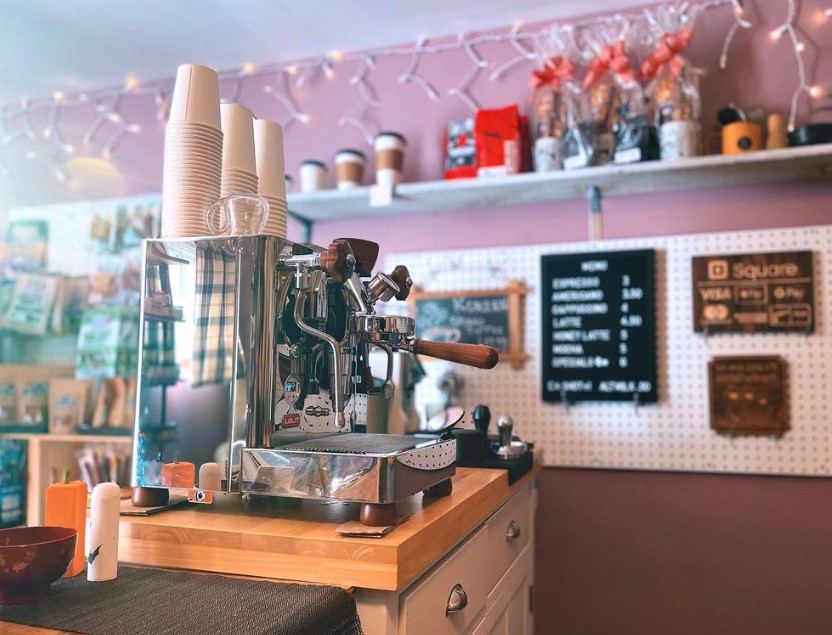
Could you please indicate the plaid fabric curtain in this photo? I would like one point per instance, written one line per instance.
(216, 279)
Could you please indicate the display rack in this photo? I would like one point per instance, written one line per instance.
(809, 163)
(49, 450)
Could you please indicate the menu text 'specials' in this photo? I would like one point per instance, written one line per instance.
(599, 327)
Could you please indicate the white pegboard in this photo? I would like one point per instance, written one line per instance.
(675, 433)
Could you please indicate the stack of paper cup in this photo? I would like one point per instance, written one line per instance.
(193, 152)
(239, 170)
(268, 149)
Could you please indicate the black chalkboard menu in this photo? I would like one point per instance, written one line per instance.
(753, 293)
(599, 327)
(465, 319)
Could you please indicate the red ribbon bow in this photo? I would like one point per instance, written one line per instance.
(609, 58)
(667, 54)
(555, 69)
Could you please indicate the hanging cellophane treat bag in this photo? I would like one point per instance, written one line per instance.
(636, 138)
(608, 68)
(673, 83)
(555, 91)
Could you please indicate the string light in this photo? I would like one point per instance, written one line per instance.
(526, 46)
(246, 70)
(162, 100)
(739, 23)
(284, 96)
(525, 55)
(461, 90)
(355, 114)
(789, 28)
(412, 73)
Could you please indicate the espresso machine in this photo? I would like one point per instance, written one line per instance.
(255, 369)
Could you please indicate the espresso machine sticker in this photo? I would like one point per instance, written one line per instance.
(599, 327)
(749, 396)
(753, 293)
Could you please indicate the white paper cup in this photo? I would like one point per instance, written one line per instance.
(389, 148)
(238, 138)
(312, 176)
(196, 96)
(268, 150)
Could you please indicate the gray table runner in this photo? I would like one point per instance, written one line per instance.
(153, 602)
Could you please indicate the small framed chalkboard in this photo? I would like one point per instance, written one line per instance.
(493, 317)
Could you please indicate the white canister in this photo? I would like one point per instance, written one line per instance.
(679, 139)
(312, 176)
(102, 535)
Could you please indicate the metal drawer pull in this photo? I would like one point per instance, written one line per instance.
(513, 532)
(457, 600)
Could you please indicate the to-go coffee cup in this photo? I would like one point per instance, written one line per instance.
(349, 168)
(389, 147)
(312, 176)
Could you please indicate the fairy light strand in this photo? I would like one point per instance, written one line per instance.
(461, 90)
(412, 73)
(283, 95)
(739, 23)
(789, 28)
(16, 123)
(354, 116)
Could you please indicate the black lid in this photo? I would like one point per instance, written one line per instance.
(314, 162)
(385, 133)
(352, 151)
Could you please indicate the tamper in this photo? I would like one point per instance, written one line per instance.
(504, 427)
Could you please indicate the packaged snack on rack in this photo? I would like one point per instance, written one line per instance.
(636, 138)
(460, 149)
(673, 83)
(592, 139)
(554, 94)
(501, 138)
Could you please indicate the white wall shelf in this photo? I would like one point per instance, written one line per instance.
(807, 163)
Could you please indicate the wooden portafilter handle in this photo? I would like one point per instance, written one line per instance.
(475, 355)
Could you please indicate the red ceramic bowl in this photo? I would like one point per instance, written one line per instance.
(32, 558)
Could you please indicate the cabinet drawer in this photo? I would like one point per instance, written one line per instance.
(424, 606)
(509, 531)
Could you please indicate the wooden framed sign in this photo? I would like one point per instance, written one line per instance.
(493, 317)
(754, 293)
(749, 395)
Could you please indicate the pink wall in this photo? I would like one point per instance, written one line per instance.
(618, 552)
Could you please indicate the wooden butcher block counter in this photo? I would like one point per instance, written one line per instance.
(480, 539)
(460, 565)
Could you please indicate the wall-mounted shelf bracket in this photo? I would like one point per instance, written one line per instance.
(596, 225)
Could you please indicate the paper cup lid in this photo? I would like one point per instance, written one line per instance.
(320, 164)
(388, 133)
(351, 151)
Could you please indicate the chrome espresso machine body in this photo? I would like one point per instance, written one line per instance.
(254, 372)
